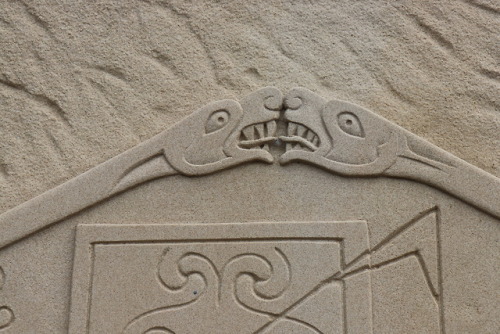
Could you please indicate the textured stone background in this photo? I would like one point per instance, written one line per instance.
(81, 81)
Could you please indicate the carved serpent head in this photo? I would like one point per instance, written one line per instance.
(225, 133)
(337, 135)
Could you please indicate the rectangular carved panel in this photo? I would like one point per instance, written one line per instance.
(220, 278)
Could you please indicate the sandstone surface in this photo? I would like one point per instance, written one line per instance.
(81, 81)
(280, 212)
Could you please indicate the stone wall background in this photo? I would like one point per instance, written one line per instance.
(82, 81)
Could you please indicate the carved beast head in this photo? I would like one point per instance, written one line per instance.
(225, 133)
(337, 135)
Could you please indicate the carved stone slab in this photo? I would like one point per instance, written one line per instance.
(280, 213)
(200, 278)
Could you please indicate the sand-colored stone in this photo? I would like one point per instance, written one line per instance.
(82, 81)
(277, 213)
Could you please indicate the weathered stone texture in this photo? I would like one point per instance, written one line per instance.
(82, 81)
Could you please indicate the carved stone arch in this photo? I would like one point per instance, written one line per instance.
(228, 133)
(257, 270)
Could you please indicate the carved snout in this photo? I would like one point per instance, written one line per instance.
(305, 130)
(215, 139)
(250, 139)
(421, 161)
(354, 141)
(333, 136)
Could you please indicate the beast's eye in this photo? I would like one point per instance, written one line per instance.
(350, 124)
(217, 121)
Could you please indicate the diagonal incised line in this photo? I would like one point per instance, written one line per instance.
(285, 312)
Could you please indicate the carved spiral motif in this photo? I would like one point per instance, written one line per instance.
(193, 274)
(273, 101)
(257, 279)
(194, 282)
(293, 102)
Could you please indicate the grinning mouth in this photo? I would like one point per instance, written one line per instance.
(300, 137)
(258, 135)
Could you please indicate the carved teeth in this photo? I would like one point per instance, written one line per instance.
(258, 136)
(249, 133)
(315, 141)
(301, 130)
(310, 135)
(271, 128)
(260, 130)
(300, 137)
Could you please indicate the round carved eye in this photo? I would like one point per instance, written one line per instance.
(217, 121)
(350, 124)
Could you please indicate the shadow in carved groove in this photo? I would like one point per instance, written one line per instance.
(337, 136)
(249, 279)
(220, 289)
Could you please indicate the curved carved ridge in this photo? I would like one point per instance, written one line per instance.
(6, 314)
(340, 137)
(354, 141)
(205, 142)
(244, 280)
